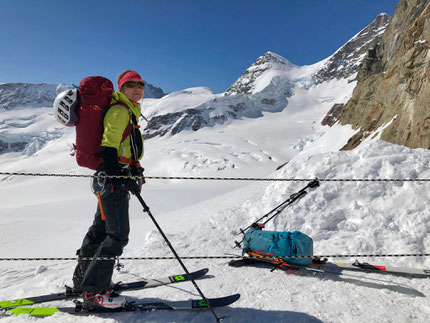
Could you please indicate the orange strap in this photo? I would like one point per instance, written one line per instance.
(101, 206)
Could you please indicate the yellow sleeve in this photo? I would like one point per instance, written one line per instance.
(114, 123)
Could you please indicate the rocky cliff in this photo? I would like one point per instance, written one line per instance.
(392, 97)
(347, 59)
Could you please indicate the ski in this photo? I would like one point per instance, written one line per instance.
(197, 304)
(69, 293)
(318, 265)
(364, 266)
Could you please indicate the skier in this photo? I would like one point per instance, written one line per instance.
(109, 232)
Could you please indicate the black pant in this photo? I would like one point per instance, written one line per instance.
(104, 239)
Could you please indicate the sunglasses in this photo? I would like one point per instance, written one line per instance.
(133, 84)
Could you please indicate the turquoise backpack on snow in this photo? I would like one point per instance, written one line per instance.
(279, 244)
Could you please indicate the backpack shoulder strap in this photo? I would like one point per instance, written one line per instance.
(126, 132)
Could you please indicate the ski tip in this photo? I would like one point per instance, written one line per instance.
(4, 305)
(38, 311)
(236, 297)
(215, 302)
(224, 301)
(231, 299)
(203, 271)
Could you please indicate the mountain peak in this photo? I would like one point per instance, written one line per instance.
(245, 84)
(384, 14)
(271, 57)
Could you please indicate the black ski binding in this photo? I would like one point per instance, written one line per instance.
(79, 306)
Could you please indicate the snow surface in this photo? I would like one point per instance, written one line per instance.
(48, 216)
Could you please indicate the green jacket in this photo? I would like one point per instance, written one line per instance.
(116, 120)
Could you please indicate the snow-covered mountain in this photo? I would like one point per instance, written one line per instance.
(218, 110)
(247, 83)
(271, 85)
(28, 94)
(42, 95)
(265, 86)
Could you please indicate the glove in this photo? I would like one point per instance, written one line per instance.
(128, 184)
(112, 168)
(137, 173)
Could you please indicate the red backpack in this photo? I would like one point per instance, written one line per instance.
(95, 97)
(85, 108)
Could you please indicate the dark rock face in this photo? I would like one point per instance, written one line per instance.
(174, 123)
(331, 117)
(346, 61)
(393, 90)
(10, 147)
(152, 91)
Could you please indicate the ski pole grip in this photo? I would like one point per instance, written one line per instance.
(314, 183)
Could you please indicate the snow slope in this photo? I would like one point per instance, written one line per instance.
(342, 218)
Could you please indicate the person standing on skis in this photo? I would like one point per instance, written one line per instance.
(121, 150)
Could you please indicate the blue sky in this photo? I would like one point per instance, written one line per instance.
(173, 44)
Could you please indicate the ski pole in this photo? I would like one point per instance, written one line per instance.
(290, 201)
(294, 197)
(146, 210)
